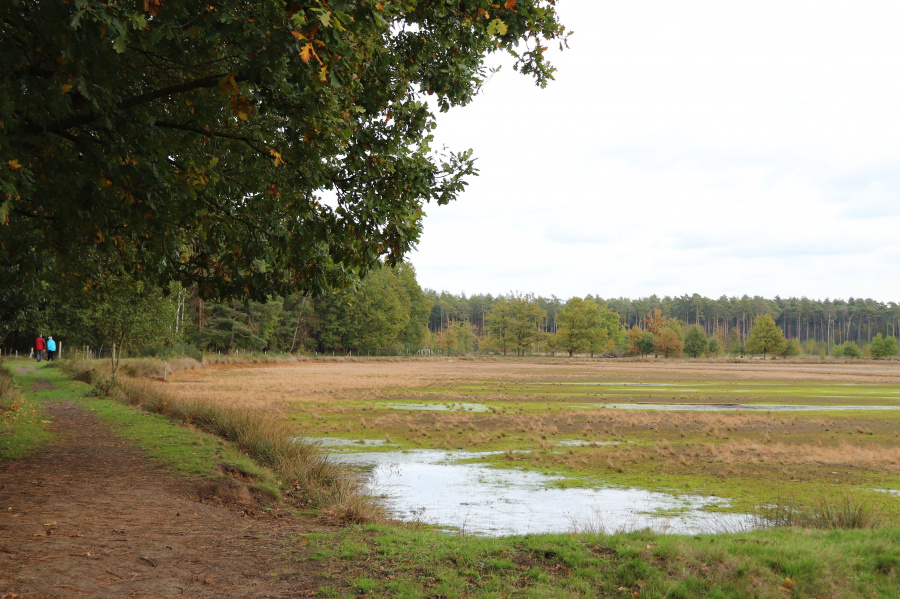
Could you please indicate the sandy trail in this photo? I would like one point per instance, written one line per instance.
(91, 516)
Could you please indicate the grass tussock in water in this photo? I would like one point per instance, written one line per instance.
(847, 511)
(305, 469)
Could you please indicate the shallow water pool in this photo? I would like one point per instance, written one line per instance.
(434, 487)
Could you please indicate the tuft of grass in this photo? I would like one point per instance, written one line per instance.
(846, 511)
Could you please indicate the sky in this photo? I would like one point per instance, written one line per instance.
(712, 147)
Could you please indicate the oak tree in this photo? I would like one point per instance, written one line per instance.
(580, 326)
(765, 337)
(667, 342)
(250, 147)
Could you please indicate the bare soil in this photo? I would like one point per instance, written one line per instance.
(91, 516)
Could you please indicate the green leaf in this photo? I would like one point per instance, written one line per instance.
(497, 27)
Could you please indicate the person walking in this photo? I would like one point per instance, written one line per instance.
(39, 347)
(51, 348)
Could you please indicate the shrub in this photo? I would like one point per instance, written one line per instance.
(848, 349)
(791, 348)
(882, 347)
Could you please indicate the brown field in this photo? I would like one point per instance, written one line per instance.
(746, 455)
(265, 385)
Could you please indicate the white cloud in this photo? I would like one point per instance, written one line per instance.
(709, 147)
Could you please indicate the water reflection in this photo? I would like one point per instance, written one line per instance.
(431, 486)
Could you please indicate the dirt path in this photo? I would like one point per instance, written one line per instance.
(90, 516)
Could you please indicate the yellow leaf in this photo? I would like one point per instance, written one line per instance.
(14, 165)
(298, 35)
(323, 73)
(509, 4)
(99, 237)
(276, 155)
(379, 7)
(305, 52)
(66, 88)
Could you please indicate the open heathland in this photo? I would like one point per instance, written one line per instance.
(99, 499)
(752, 431)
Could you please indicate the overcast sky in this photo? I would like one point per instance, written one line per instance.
(709, 147)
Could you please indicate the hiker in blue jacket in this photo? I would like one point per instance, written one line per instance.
(51, 349)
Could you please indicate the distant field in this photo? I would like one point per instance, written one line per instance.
(552, 416)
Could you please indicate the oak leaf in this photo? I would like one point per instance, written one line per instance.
(305, 52)
(153, 7)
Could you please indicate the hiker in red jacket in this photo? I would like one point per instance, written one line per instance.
(39, 347)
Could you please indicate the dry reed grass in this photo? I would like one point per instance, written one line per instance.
(885, 459)
(8, 392)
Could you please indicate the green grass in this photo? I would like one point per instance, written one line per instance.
(24, 423)
(181, 449)
(681, 391)
(418, 563)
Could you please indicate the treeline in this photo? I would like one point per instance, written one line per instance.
(829, 322)
(388, 312)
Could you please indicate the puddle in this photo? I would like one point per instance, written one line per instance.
(723, 407)
(893, 492)
(439, 407)
(430, 486)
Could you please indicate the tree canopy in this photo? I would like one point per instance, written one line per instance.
(765, 337)
(513, 323)
(248, 147)
(695, 342)
(882, 347)
(580, 326)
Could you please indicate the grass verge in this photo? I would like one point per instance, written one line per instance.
(181, 449)
(302, 468)
(410, 562)
(23, 423)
